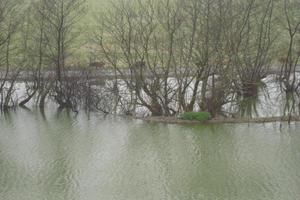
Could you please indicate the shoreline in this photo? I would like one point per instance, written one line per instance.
(260, 120)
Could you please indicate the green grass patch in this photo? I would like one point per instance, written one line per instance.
(197, 116)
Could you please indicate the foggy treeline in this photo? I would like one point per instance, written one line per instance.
(167, 56)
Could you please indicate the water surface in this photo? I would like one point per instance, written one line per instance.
(89, 157)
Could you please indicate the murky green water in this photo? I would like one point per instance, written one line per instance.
(92, 158)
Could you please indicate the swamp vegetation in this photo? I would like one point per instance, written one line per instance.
(148, 57)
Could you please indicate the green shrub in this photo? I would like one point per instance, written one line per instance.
(198, 116)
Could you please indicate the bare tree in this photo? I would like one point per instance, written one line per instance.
(59, 18)
(9, 21)
(292, 56)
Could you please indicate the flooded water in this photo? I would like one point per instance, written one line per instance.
(68, 157)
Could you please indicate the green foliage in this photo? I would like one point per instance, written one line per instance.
(198, 116)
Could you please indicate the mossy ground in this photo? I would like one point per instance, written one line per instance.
(197, 116)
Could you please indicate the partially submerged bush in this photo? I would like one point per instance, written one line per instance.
(198, 116)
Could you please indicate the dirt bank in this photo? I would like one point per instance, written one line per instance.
(174, 120)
